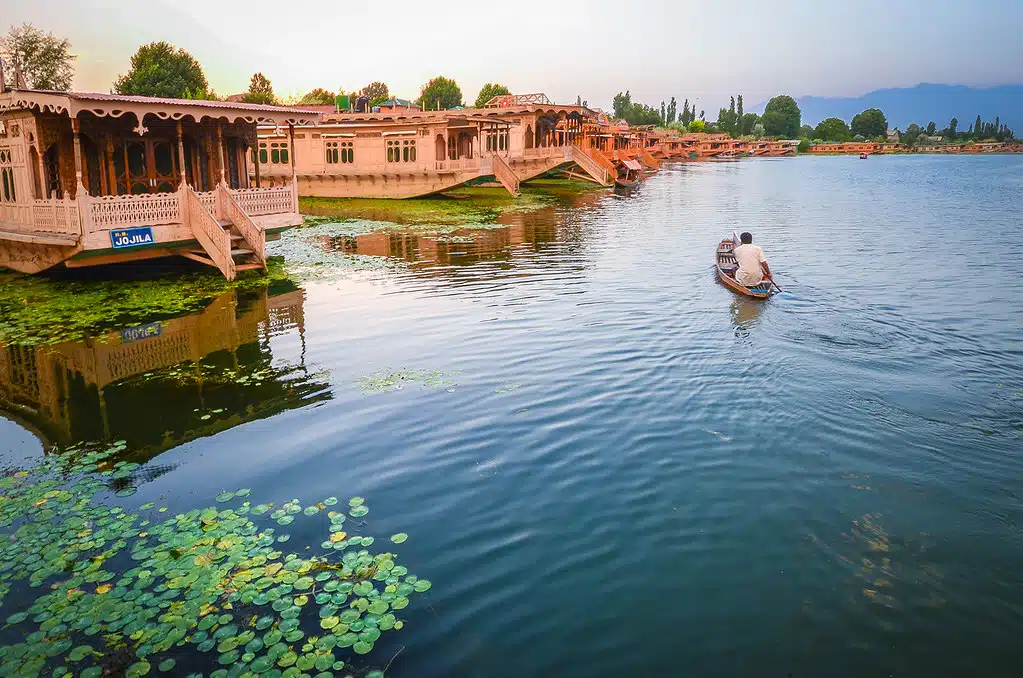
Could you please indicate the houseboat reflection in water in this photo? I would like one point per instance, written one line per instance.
(162, 384)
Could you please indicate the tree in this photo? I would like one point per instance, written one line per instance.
(748, 122)
(911, 134)
(161, 70)
(664, 113)
(782, 117)
(440, 91)
(697, 126)
(832, 129)
(758, 130)
(804, 146)
(44, 60)
(738, 116)
(317, 97)
(620, 104)
(685, 119)
(672, 111)
(931, 128)
(870, 123)
(376, 91)
(491, 90)
(805, 132)
(260, 91)
(952, 125)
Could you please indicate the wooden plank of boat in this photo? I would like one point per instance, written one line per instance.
(41, 238)
(727, 266)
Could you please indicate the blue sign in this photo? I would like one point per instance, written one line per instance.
(131, 237)
(131, 334)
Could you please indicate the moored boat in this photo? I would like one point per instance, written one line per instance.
(863, 156)
(727, 266)
(629, 174)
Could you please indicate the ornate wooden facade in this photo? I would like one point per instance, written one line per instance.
(89, 179)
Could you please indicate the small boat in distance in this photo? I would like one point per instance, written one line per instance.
(727, 266)
(629, 174)
(863, 156)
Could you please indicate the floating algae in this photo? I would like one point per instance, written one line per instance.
(120, 593)
(396, 381)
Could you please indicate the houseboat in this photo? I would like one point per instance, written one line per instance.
(89, 179)
(403, 152)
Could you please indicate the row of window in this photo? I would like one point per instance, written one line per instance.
(276, 154)
(401, 151)
(340, 152)
(497, 142)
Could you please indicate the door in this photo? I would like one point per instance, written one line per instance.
(150, 166)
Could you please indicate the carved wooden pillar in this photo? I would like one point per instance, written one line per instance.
(79, 160)
(181, 155)
(255, 155)
(108, 154)
(291, 146)
(44, 181)
(220, 152)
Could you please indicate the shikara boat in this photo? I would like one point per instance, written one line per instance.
(863, 156)
(630, 174)
(727, 266)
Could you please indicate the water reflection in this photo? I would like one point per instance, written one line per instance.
(162, 384)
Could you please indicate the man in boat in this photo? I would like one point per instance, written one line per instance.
(753, 268)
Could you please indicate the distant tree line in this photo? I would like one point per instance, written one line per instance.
(871, 124)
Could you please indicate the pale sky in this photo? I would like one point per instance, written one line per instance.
(593, 48)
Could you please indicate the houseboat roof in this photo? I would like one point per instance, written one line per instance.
(417, 115)
(116, 105)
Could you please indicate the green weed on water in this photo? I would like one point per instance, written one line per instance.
(122, 593)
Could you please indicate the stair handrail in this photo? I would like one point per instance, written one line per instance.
(253, 235)
(215, 241)
(585, 160)
(505, 174)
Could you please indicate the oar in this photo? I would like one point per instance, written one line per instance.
(776, 285)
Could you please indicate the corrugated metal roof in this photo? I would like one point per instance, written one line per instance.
(162, 101)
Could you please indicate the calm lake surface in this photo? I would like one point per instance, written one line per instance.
(607, 463)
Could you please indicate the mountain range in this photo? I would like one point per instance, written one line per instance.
(922, 104)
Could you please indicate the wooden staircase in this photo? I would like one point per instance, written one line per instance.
(242, 255)
(229, 241)
(505, 175)
(589, 164)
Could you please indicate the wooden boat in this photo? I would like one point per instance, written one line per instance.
(630, 174)
(863, 156)
(727, 266)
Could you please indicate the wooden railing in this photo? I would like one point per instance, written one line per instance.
(126, 211)
(505, 174)
(545, 152)
(208, 200)
(460, 164)
(213, 238)
(259, 201)
(253, 235)
(592, 166)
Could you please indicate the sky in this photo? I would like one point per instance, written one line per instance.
(703, 50)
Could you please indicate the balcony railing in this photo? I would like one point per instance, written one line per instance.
(87, 213)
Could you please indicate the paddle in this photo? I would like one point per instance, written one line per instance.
(776, 285)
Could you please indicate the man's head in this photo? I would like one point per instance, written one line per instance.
(746, 238)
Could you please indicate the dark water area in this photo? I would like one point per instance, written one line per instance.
(608, 463)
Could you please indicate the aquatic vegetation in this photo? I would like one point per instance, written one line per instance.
(396, 381)
(309, 253)
(111, 592)
(48, 309)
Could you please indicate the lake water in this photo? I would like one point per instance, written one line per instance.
(609, 464)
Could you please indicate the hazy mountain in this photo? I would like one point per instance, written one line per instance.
(923, 103)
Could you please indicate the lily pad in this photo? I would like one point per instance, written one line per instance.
(358, 511)
(399, 538)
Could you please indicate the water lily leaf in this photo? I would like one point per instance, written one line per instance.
(330, 501)
(362, 647)
(377, 607)
(80, 653)
(399, 538)
(17, 618)
(362, 588)
(127, 492)
(306, 662)
(423, 585)
(287, 659)
(329, 622)
(311, 510)
(244, 492)
(356, 501)
(137, 669)
(399, 603)
(303, 583)
(286, 520)
(167, 664)
(225, 496)
(358, 511)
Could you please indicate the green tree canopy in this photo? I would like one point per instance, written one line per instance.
(748, 122)
(318, 96)
(260, 91)
(832, 129)
(441, 91)
(782, 117)
(870, 123)
(697, 126)
(377, 91)
(488, 92)
(161, 70)
(44, 60)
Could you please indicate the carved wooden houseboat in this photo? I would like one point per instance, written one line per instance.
(88, 179)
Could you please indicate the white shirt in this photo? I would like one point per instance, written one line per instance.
(749, 257)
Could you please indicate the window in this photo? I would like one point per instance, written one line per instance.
(278, 153)
(340, 151)
(7, 193)
(401, 150)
